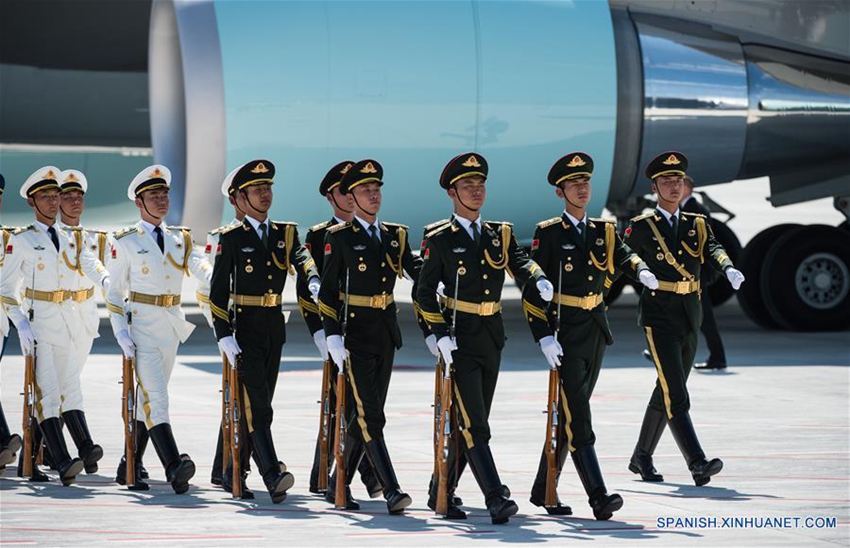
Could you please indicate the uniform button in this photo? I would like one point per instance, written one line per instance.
(484, 276)
(351, 315)
(383, 292)
(486, 291)
(680, 252)
(270, 291)
(61, 275)
(460, 262)
(248, 260)
(482, 261)
(653, 293)
(382, 264)
(270, 276)
(384, 278)
(167, 277)
(590, 278)
(589, 262)
(268, 263)
(361, 258)
(238, 310)
(569, 258)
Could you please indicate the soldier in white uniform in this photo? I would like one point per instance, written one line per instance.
(9, 442)
(148, 262)
(46, 260)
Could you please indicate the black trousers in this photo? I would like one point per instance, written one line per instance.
(260, 334)
(369, 381)
(475, 373)
(716, 352)
(673, 355)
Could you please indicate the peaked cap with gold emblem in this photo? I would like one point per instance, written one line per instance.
(361, 173)
(150, 178)
(334, 176)
(43, 179)
(463, 165)
(667, 163)
(575, 165)
(255, 172)
(71, 179)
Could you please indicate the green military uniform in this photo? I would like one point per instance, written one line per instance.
(314, 241)
(671, 316)
(254, 272)
(480, 269)
(576, 255)
(353, 259)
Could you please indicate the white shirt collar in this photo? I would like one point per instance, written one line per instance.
(149, 227)
(667, 215)
(467, 224)
(256, 224)
(338, 220)
(576, 221)
(366, 225)
(44, 227)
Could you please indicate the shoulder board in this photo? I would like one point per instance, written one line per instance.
(229, 228)
(431, 226)
(602, 220)
(644, 216)
(186, 228)
(95, 231)
(320, 226)
(340, 226)
(498, 223)
(549, 222)
(124, 232)
(689, 214)
(23, 229)
(221, 229)
(284, 223)
(437, 230)
(73, 228)
(397, 225)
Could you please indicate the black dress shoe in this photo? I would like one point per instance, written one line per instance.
(710, 365)
(501, 508)
(703, 470)
(605, 505)
(350, 503)
(558, 510)
(397, 501)
(227, 485)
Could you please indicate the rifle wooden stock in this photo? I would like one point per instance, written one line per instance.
(325, 427)
(234, 387)
(340, 501)
(29, 420)
(438, 386)
(551, 448)
(225, 413)
(128, 413)
(444, 439)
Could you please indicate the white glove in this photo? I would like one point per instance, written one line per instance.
(441, 289)
(313, 285)
(321, 343)
(431, 343)
(25, 335)
(552, 350)
(229, 348)
(106, 283)
(546, 290)
(125, 341)
(446, 345)
(735, 277)
(648, 279)
(336, 348)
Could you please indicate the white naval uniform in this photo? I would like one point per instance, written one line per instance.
(203, 293)
(137, 265)
(32, 260)
(5, 235)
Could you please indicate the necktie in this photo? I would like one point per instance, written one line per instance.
(674, 226)
(159, 239)
(581, 237)
(53, 237)
(476, 236)
(373, 232)
(264, 235)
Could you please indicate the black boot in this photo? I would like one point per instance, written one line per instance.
(141, 433)
(653, 425)
(141, 445)
(89, 451)
(538, 490)
(277, 481)
(68, 467)
(37, 475)
(587, 465)
(227, 483)
(218, 460)
(484, 468)
(353, 456)
(370, 479)
(9, 443)
(686, 438)
(379, 458)
(179, 469)
(454, 470)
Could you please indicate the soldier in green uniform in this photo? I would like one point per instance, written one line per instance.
(252, 263)
(314, 241)
(674, 244)
(578, 252)
(477, 254)
(365, 257)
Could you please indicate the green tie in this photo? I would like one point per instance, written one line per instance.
(476, 236)
(674, 226)
(264, 235)
(581, 237)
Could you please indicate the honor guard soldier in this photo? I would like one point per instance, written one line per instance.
(363, 259)
(148, 262)
(674, 244)
(47, 260)
(578, 252)
(477, 254)
(253, 260)
(9, 443)
(314, 241)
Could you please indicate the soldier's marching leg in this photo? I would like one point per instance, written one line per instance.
(178, 469)
(244, 464)
(217, 466)
(587, 466)
(141, 445)
(538, 490)
(89, 451)
(314, 472)
(456, 462)
(9, 443)
(651, 429)
(353, 457)
(686, 438)
(277, 481)
(370, 479)
(68, 467)
(141, 433)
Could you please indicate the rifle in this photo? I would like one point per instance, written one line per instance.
(551, 448)
(325, 418)
(438, 385)
(445, 432)
(340, 501)
(29, 420)
(129, 401)
(235, 416)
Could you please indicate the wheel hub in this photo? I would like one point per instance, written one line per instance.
(822, 280)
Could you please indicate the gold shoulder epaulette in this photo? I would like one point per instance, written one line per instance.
(684, 213)
(431, 226)
(602, 220)
(284, 223)
(229, 228)
(180, 228)
(22, 229)
(642, 217)
(498, 223)
(549, 222)
(124, 232)
(221, 229)
(438, 230)
(340, 226)
(397, 225)
(95, 231)
(73, 228)
(319, 226)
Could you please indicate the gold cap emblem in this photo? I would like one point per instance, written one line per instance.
(260, 168)
(156, 174)
(368, 168)
(71, 178)
(346, 168)
(576, 162)
(472, 161)
(50, 175)
(671, 161)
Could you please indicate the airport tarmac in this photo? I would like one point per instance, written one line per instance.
(778, 417)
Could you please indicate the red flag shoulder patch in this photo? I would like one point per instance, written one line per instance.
(327, 249)
(427, 252)
(628, 231)
(422, 245)
(9, 249)
(208, 249)
(309, 246)
(535, 243)
(114, 252)
(218, 249)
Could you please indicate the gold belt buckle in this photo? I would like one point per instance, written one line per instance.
(57, 296)
(488, 308)
(379, 301)
(269, 300)
(683, 288)
(587, 303)
(167, 300)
